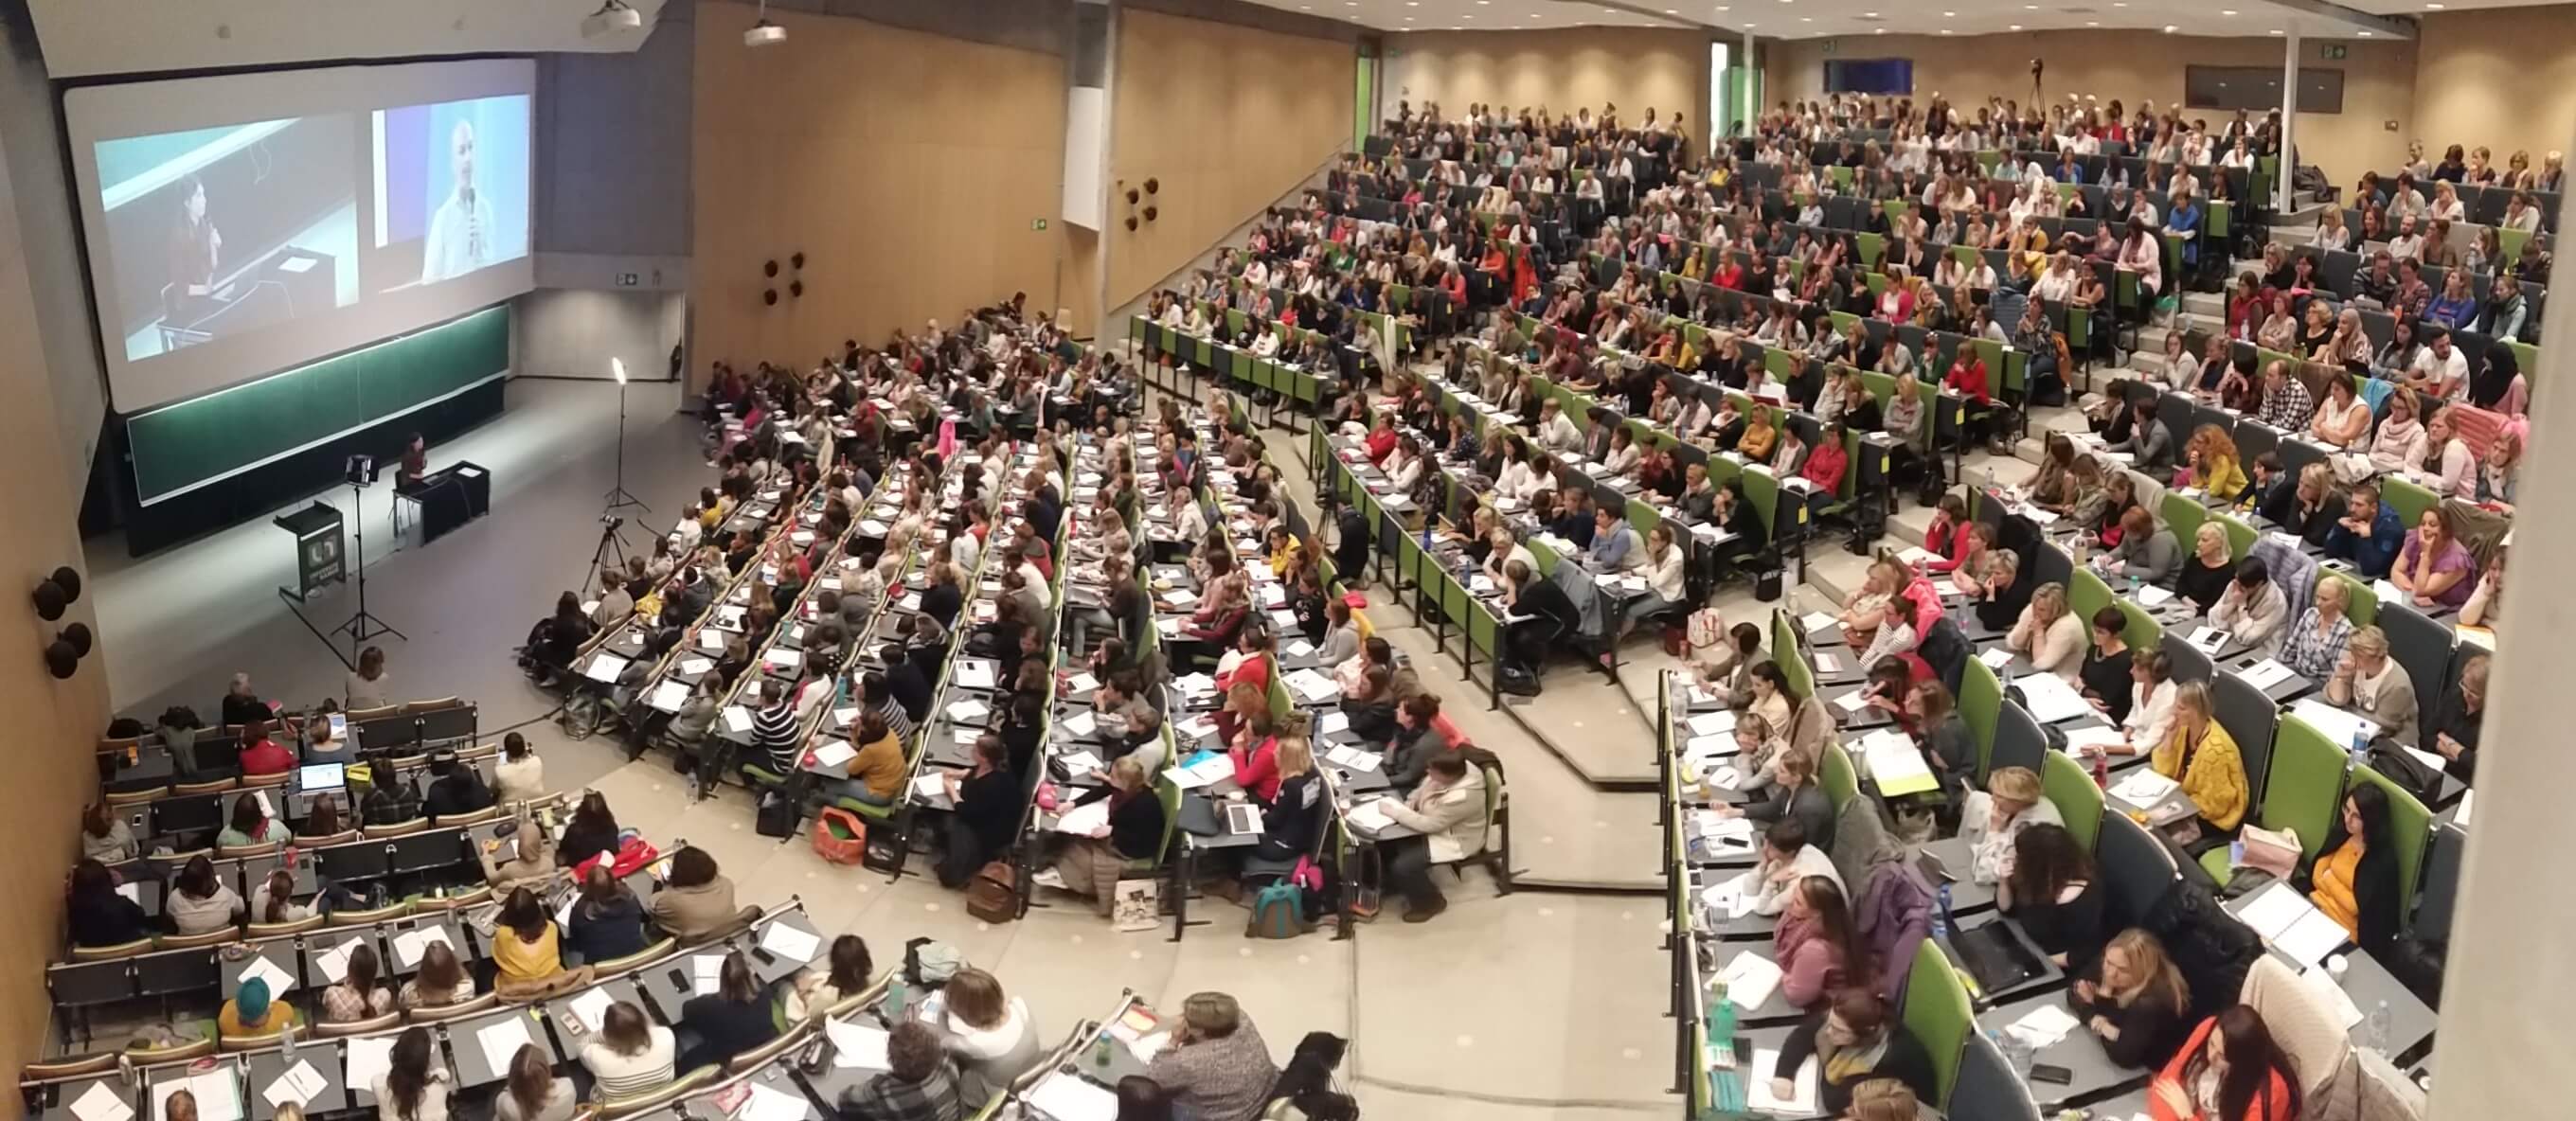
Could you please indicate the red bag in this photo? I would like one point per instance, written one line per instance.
(839, 836)
(632, 854)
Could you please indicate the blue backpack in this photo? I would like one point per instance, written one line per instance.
(1278, 911)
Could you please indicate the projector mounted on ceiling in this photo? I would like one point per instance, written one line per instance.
(612, 17)
(764, 33)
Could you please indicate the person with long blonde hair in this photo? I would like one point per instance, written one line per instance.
(2135, 1000)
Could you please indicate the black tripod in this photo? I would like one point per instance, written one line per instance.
(364, 625)
(610, 546)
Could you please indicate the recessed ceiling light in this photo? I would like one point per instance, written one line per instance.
(1672, 11)
(2170, 29)
(1947, 31)
(2014, 26)
(1952, 15)
(1878, 31)
(2227, 11)
(2434, 7)
(2276, 31)
(2092, 23)
(1806, 19)
(1748, 23)
(2365, 35)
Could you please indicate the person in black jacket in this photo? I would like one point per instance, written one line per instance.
(988, 801)
(2055, 895)
(727, 1022)
(906, 682)
(1293, 820)
(100, 916)
(2355, 879)
(1854, 1038)
(1090, 865)
(1540, 614)
(607, 922)
(592, 831)
(455, 788)
(2135, 1000)
(942, 599)
(1417, 741)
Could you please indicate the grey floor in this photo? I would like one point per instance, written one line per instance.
(1535, 1005)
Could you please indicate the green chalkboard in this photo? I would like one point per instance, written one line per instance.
(177, 447)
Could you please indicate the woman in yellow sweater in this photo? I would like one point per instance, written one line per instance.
(2355, 878)
(523, 944)
(2202, 756)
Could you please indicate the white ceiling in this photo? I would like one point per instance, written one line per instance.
(85, 37)
(2419, 7)
(1808, 19)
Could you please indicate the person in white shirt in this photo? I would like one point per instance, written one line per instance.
(1787, 859)
(2151, 707)
(2049, 634)
(520, 775)
(2144, 254)
(1265, 344)
(2444, 366)
(2252, 609)
(1404, 467)
(1556, 430)
(1665, 583)
(460, 233)
(2408, 242)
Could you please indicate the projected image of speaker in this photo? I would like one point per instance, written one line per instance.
(453, 183)
(217, 232)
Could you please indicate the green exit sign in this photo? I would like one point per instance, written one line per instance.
(2334, 50)
(1037, 223)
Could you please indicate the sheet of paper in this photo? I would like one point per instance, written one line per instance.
(1369, 816)
(300, 1084)
(2153, 596)
(1334, 723)
(2339, 726)
(98, 1103)
(1758, 1097)
(1816, 622)
(133, 892)
(1352, 758)
(1996, 658)
(1828, 664)
(368, 1058)
(967, 711)
(1705, 749)
(768, 1103)
(669, 696)
(1896, 764)
(835, 753)
(1853, 701)
(2310, 939)
(2050, 699)
(278, 980)
(334, 962)
(2208, 639)
(1067, 1097)
(706, 973)
(1311, 685)
(976, 673)
(1081, 683)
(590, 1006)
(2265, 674)
(857, 1046)
(1750, 980)
(408, 946)
(2273, 910)
(1085, 819)
(712, 640)
(2044, 1025)
(737, 719)
(604, 667)
(218, 1095)
(1082, 762)
(1716, 723)
(2468, 801)
(789, 942)
(2143, 788)
(501, 1041)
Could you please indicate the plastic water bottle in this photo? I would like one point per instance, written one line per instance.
(2360, 747)
(2375, 1032)
(1941, 914)
(1726, 1084)
(2016, 1050)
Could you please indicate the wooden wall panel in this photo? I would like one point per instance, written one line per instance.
(1635, 68)
(1226, 119)
(2501, 77)
(908, 168)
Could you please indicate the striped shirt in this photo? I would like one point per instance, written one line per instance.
(773, 730)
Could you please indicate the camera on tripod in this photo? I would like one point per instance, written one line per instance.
(361, 470)
(610, 523)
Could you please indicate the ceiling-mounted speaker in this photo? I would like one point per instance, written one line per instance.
(769, 296)
(1131, 223)
(796, 288)
(769, 268)
(1153, 185)
(1131, 196)
(797, 262)
(58, 591)
(1152, 213)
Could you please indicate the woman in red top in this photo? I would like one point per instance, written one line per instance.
(1256, 762)
(1896, 304)
(1381, 439)
(261, 755)
(2229, 1071)
(2245, 308)
(1252, 667)
(1729, 276)
(1454, 284)
(1814, 945)
(1967, 378)
(1947, 537)
(1825, 465)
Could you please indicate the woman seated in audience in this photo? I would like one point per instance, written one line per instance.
(2227, 1070)
(1787, 860)
(2001, 592)
(2371, 682)
(2201, 755)
(105, 837)
(2444, 462)
(1728, 668)
(2105, 677)
(1946, 538)
(2433, 568)
(2049, 634)
(2119, 496)
(2279, 329)
(2135, 1001)
(251, 1013)
(520, 775)
(592, 831)
(2342, 422)
(360, 994)
(696, 898)
(2149, 444)
(273, 901)
(525, 945)
(729, 1021)
(200, 903)
(98, 914)
(1665, 583)
(2211, 464)
(2052, 487)
(1868, 608)
(2146, 553)
(262, 755)
(2054, 893)
(629, 1055)
(1941, 734)
(2355, 877)
(440, 981)
(2203, 576)
(1091, 865)
(992, 1036)
(2456, 730)
(607, 920)
(2252, 608)
(1793, 795)
(846, 971)
(518, 854)
(1854, 1037)
(1992, 820)
(532, 1092)
(1816, 946)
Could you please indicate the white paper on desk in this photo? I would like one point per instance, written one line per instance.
(1853, 701)
(278, 979)
(1311, 685)
(1352, 758)
(369, 1058)
(2322, 986)
(783, 657)
(711, 640)
(668, 696)
(697, 665)
(2468, 800)
(929, 787)
(1712, 723)
(1996, 658)
(2207, 639)
(1750, 980)
(1196, 684)
(1334, 723)
(2143, 788)
(2273, 910)
(1736, 897)
(1078, 725)
(2311, 938)
(604, 667)
(2265, 674)
(770, 1104)
(1082, 762)
(133, 892)
(217, 1097)
(976, 673)
(857, 1046)
(2050, 699)
(706, 972)
(300, 1084)
(1081, 683)
(786, 940)
(1896, 764)
(1296, 648)
(1180, 597)
(1801, 1101)
(1085, 819)
(2153, 596)
(2044, 1026)
(835, 753)
(2337, 724)
(501, 1041)
(1067, 1097)
(98, 1103)
(591, 1007)
(1706, 749)
(2102, 736)
(1817, 621)
(334, 962)
(1369, 816)
(1827, 663)
(967, 711)
(408, 946)
(2429, 759)
(737, 719)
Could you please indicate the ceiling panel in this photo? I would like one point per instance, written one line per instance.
(1807, 19)
(88, 37)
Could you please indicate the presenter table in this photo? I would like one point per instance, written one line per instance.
(449, 497)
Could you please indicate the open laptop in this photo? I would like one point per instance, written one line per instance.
(1242, 819)
(317, 778)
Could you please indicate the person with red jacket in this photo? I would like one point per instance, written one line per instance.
(1967, 378)
(1947, 537)
(1381, 439)
(1826, 463)
(2244, 1078)
(261, 755)
(1256, 763)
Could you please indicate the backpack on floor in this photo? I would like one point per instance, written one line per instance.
(778, 815)
(1278, 911)
(994, 894)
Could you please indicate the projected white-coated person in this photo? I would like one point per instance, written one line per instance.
(196, 248)
(460, 234)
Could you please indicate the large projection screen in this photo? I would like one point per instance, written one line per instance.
(243, 224)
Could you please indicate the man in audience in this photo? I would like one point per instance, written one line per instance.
(1215, 1068)
(241, 706)
(921, 1084)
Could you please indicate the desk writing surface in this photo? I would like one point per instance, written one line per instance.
(474, 1066)
(1967, 897)
(56, 1101)
(570, 1031)
(841, 1076)
(769, 953)
(1775, 1009)
(278, 956)
(774, 1089)
(2410, 1023)
(2080, 1052)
